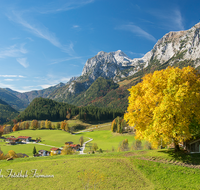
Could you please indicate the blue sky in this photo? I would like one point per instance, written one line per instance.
(46, 42)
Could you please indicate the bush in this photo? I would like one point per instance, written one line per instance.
(123, 146)
(77, 127)
(137, 145)
(100, 150)
(147, 145)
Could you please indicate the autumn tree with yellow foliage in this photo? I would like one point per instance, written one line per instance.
(164, 107)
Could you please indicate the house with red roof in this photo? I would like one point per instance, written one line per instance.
(43, 153)
(24, 138)
(12, 140)
(55, 150)
(75, 146)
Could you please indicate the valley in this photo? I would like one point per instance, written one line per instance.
(86, 107)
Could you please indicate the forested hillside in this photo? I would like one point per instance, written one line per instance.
(43, 108)
(96, 91)
(7, 113)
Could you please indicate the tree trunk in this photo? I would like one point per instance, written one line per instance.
(176, 146)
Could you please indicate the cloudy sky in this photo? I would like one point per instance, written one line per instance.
(46, 42)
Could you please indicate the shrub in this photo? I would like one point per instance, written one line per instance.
(137, 145)
(123, 146)
(100, 150)
(147, 145)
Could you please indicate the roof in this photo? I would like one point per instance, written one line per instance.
(54, 149)
(69, 142)
(23, 137)
(74, 145)
(43, 151)
(12, 138)
(193, 141)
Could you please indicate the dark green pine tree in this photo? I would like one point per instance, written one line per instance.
(34, 151)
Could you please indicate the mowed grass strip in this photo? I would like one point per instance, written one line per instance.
(72, 173)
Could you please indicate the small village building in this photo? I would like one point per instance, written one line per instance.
(68, 143)
(24, 138)
(12, 140)
(56, 150)
(192, 146)
(44, 153)
(75, 146)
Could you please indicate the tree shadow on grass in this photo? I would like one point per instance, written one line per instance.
(183, 156)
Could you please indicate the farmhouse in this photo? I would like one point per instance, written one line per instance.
(24, 138)
(192, 146)
(75, 146)
(68, 143)
(12, 140)
(56, 150)
(43, 153)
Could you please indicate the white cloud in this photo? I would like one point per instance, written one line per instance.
(40, 31)
(69, 5)
(65, 79)
(75, 26)
(8, 79)
(13, 51)
(170, 19)
(178, 20)
(23, 62)
(12, 76)
(2, 85)
(137, 31)
(46, 85)
(136, 54)
(55, 61)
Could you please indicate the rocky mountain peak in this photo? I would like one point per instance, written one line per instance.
(107, 65)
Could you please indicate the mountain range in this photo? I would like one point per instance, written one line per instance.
(7, 112)
(107, 76)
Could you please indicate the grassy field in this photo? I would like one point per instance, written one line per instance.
(105, 139)
(144, 169)
(102, 135)
(55, 138)
(117, 170)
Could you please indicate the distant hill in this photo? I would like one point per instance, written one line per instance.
(7, 113)
(12, 99)
(29, 96)
(96, 91)
(44, 108)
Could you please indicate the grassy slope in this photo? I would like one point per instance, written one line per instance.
(106, 139)
(117, 170)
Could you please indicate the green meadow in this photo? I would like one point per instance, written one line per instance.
(106, 140)
(116, 170)
(143, 169)
(55, 138)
